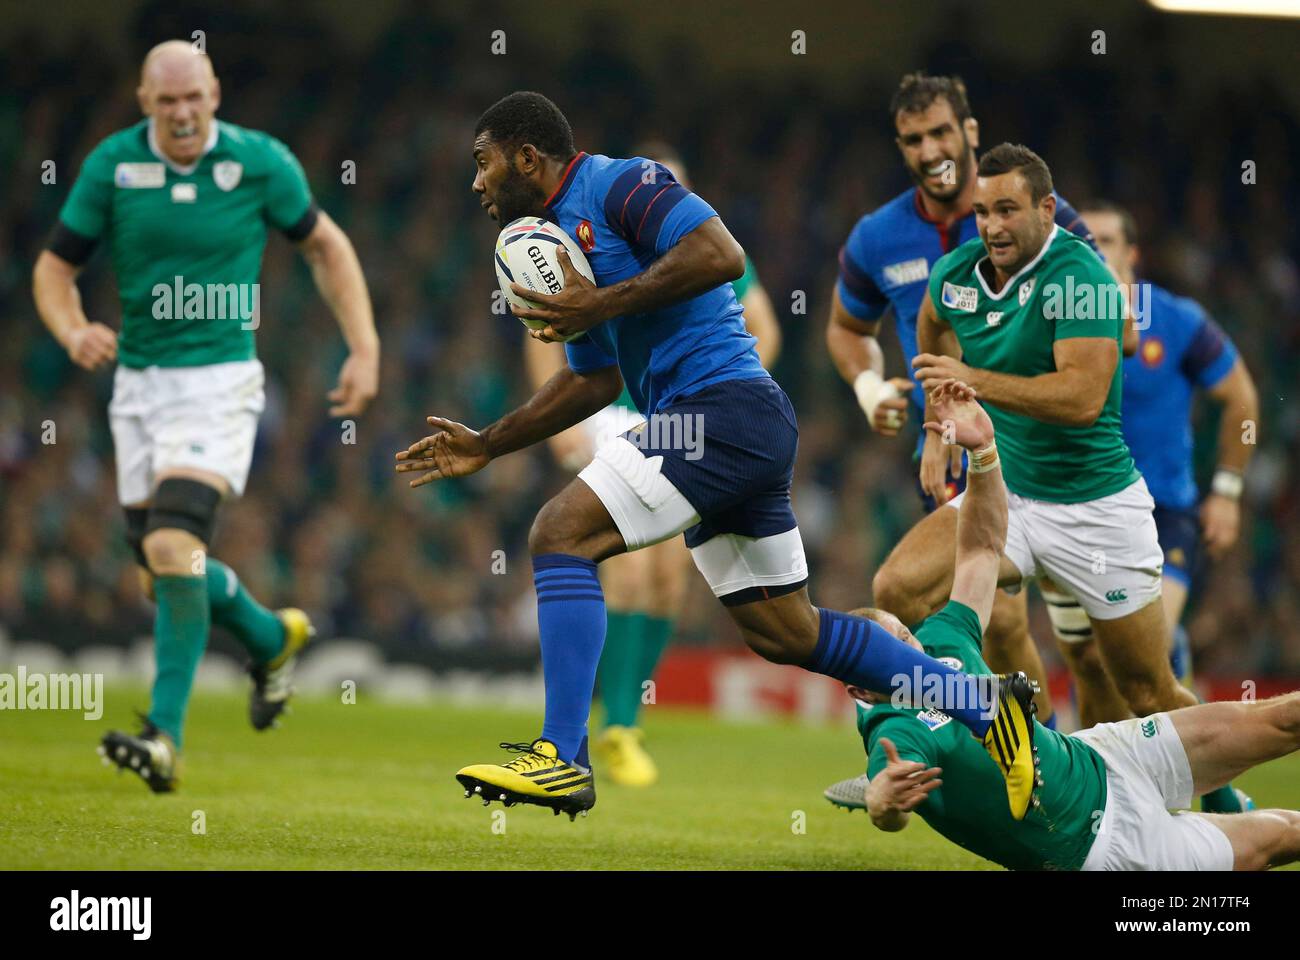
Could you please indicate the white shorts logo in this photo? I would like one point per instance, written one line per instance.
(227, 174)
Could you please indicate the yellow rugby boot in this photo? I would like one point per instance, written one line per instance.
(1010, 741)
(273, 681)
(536, 776)
(623, 758)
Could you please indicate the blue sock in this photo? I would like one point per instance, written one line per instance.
(571, 620)
(1180, 657)
(1050, 722)
(862, 653)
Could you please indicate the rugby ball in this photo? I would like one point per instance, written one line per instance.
(528, 253)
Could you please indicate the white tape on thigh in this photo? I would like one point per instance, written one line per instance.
(644, 504)
(1069, 621)
(731, 563)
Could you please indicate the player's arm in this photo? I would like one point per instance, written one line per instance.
(707, 257)
(567, 398)
(337, 274)
(571, 447)
(1239, 419)
(935, 337)
(1073, 394)
(761, 322)
(58, 302)
(982, 519)
(898, 787)
(855, 350)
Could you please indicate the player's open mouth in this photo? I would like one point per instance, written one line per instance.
(184, 133)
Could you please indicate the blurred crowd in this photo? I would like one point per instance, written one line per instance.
(442, 572)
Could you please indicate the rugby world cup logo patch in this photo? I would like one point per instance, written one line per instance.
(227, 174)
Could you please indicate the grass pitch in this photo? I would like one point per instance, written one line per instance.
(371, 786)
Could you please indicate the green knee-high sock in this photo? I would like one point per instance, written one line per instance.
(180, 633)
(654, 638)
(620, 690)
(233, 607)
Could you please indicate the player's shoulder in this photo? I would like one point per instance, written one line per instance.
(958, 262)
(1068, 253)
(954, 620)
(882, 223)
(1171, 307)
(121, 146)
(256, 149)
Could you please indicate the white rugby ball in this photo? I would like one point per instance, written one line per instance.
(528, 253)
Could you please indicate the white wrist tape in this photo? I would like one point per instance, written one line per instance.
(871, 390)
(984, 459)
(1227, 483)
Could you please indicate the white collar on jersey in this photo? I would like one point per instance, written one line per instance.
(213, 133)
(1011, 281)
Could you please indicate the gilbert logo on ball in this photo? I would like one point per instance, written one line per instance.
(528, 253)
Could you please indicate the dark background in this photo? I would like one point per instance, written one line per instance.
(791, 150)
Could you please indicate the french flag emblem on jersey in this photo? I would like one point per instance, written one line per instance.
(586, 236)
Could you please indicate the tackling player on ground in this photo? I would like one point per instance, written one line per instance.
(1107, 792)
(644, 590)
(183, 201)
(664, 321)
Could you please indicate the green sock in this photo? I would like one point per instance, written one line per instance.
(180, 632)
(1223, 800)
(233, 607)
(658, 631)
(619, 661)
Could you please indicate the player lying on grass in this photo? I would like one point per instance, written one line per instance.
(664, 321)
(1105, 794)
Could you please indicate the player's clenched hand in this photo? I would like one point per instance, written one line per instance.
(455, 451)
(357, 386)
(958, 419)
(1220, 521)
(92, 345)
(575, 309)
(931, 369)
(903, 785)
(890, 413)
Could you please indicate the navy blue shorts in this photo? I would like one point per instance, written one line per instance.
(956, 485)
(738, 475)
(1179, 532)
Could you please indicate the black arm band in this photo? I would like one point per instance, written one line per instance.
(305, 225)
(71, 246)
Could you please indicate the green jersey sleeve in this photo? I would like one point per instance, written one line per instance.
(89, 204)
(910, 737)
(747, 279)
(954, 631)
(287, 194)
(1083, 298)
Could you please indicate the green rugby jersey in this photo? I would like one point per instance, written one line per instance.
(740, 286)
(970, 809)
(206, 227)
(1064, 292)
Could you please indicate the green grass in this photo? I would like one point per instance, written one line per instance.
(370, 786)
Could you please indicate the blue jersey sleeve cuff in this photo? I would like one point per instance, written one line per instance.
(859, 308)
(586, 356)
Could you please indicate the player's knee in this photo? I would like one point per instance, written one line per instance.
(775, 648)
(146, 578)
(170, 552)
(550, 533)
(892, 591)
(1144, 695)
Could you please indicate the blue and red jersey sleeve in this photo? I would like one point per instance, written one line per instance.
(1210, 355)
(1067, 218)
(648, 208)
(858, 291)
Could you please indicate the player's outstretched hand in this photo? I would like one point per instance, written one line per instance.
(959, 419)
(454, 451)
(575, 309)
(92, 346)
(903, 785)
(357, 386)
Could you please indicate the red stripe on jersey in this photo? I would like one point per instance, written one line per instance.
(647, 210)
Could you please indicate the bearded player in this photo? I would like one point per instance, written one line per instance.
(1107, 793)
(664, 320)
(183, 201)
(644, 590)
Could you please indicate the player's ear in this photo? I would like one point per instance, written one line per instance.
(143, 99)
(216, 94)
(527, 159)
(972, 128)
(1048, 207)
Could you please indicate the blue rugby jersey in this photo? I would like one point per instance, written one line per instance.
(887, 258)
(1181, 350)
(625, 214)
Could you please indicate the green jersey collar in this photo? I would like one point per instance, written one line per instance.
(1011, 281)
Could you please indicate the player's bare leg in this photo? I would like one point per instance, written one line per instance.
(1097, 698)
(1135, 653)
